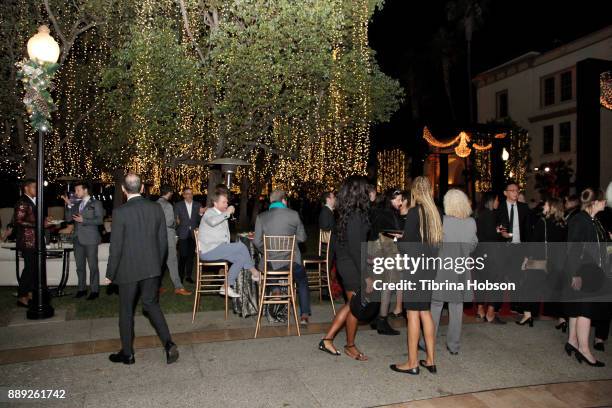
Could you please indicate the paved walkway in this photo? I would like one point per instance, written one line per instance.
(289, 371)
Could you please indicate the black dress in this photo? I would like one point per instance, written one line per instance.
(412, 244)
(348, 251)
(586, 245)
(486, 230)
(549, 284)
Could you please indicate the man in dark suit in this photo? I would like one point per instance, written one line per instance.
(188, 214)
(513, 222)
(326, 216)
(87, 216)
(25, 224)
(138, 250)
(281, 220)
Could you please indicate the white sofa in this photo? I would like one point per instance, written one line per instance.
(54, 267)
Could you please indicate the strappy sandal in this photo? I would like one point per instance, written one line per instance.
(358, 357)
(325, 349)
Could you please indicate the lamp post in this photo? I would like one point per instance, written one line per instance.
(228, 167)
(42, 48)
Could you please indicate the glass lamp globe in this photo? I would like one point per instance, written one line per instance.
(505, 155)
(42, 47)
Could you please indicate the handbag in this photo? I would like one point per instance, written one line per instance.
(540, 264)
(592, 274)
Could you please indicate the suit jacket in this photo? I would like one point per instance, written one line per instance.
(214, 230)
(87, 232)
(502, 218)
(279, 221)
(25, 223)
(168, 214)
(139, 242)
(187, 224)
(326, 219)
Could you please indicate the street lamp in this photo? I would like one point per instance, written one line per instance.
(505, 155)
(42, 48)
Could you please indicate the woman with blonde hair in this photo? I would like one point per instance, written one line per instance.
(550, 228)
(422, 235)
(458, 242)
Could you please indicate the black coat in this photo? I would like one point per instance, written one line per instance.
(139, 242)
(486, 226)
(383, 219)
(524, 214)
(348, 251)
(326, 219)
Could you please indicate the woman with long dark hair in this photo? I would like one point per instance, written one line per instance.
(351, 230)
(423, 226)
(383, 235)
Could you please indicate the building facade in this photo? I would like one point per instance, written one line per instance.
(555, 97)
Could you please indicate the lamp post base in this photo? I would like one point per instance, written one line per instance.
(39, 312)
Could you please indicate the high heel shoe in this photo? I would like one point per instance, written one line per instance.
(524, 322)
(569, 349)
(580, 357)
(562, 326)
(431, 368)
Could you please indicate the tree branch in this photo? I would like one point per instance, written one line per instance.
(56, 26)
(81, 118)
(188, 30)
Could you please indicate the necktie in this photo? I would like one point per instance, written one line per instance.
(81, 206)
(511, 218)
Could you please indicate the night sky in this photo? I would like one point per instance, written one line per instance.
(402, 34)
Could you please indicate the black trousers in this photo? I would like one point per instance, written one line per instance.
(602, 329)
(128, 297)
(186, 256)
(29, 278)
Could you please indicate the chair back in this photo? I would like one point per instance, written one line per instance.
(278, 251)
(324, 239)
(197, 243)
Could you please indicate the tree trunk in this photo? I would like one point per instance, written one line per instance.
(447, 84)
(118, 194)
(244, 202)
(214, 178)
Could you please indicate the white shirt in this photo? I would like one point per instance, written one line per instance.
(130, 196)
(189, 206)
(516, 229)
(32, 198)
(83, 203)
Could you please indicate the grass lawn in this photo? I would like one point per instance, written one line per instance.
(108, 306)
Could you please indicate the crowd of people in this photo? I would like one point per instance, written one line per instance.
(576, 257)
(147, 238)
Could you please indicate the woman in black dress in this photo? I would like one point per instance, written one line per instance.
(351, 230)
(486, 230)
(586, 253)
(423, 226)
(550, 230)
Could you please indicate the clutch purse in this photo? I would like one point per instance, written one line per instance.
(539, 264)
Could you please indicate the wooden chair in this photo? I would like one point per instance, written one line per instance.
(278, 250)
(317, 280)
(208, 282)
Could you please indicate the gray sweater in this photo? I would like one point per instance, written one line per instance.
(459, 241)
